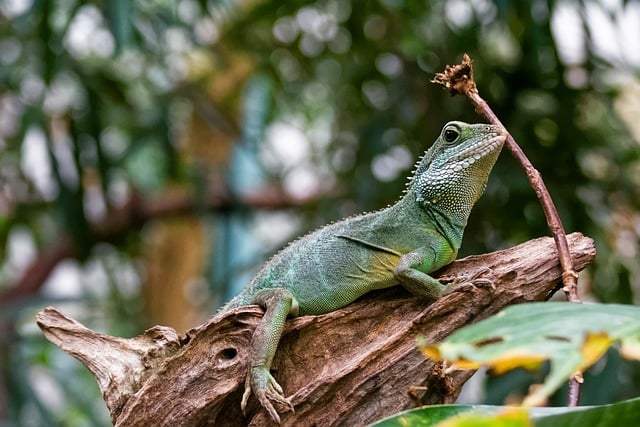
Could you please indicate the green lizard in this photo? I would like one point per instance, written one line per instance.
(402, 244)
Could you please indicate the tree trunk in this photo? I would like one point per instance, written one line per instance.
(346, 368)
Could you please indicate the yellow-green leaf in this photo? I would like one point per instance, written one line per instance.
(509, 417)
(571, 336)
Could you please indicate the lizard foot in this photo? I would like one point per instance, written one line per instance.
(266, 389)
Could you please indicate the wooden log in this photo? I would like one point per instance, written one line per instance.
(349, 367)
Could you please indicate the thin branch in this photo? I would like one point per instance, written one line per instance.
(459, 79)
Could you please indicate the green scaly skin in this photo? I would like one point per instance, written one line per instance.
(331, 267)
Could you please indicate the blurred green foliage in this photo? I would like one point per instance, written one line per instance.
(95, 98)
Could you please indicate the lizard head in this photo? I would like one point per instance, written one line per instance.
(453, 173)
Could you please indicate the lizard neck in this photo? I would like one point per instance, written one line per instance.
(449, 225)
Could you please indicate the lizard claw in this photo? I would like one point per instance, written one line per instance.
(266, 389)
(470, 286)
(478, 283)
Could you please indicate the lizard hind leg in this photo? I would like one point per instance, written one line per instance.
(278, 303)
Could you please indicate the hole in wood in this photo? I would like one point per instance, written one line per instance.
(228, 353)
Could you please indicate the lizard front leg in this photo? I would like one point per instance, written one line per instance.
(278, 304)
(410, 272)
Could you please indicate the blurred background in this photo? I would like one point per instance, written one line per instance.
(154, 153)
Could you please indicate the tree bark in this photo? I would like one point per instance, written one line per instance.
(346, 368)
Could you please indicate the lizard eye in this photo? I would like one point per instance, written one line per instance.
(451, 134)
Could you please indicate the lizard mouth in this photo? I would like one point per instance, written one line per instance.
(477, 151)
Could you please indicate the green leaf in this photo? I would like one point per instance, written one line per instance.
(571, 336)
(430, 415)
(508, 417)
(623, 413)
